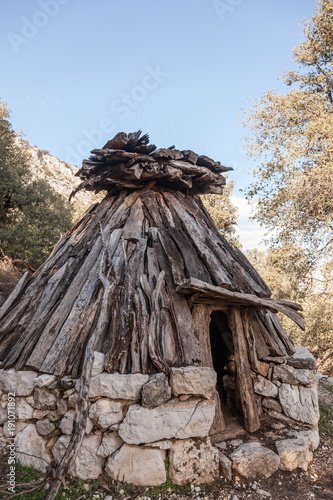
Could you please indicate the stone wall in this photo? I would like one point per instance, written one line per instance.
(136, 421)
(286, 387)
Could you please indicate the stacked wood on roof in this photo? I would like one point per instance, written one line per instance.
(129, 161)
(132, 270)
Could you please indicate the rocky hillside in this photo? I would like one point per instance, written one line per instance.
(59, 174)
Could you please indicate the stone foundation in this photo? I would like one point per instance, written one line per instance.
(136, 421)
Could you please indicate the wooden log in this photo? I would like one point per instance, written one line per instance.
(201, 320)
(251, 343)
(244, 381)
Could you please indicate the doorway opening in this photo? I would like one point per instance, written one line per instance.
(222, 349)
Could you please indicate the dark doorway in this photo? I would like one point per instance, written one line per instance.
(222, 347)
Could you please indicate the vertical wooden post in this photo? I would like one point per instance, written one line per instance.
(244, 381)
(201, 321)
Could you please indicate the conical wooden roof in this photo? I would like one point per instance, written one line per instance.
(132, 267)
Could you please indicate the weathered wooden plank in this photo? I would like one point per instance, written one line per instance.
(172, 254)
(132, 229)
(167, 338)
(206, 290)
(62, 312)
(153, 328)
(261, 347)
(188, 344)
(198, 238)
(135, 346)
(15, 293)
(142, 326)
(201, 321)
(194, 266)
(235, 254)
(243, 378)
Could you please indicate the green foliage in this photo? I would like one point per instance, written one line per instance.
(286, 271)
(325, 418)
(223, 212)
(292, 137)
(32, 214)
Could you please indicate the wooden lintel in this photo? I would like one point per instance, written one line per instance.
(204, 291)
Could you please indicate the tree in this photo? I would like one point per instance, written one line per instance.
(223, 212)
(285, 272)
(32, 214)
(292, 135)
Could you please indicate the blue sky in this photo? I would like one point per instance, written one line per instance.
(76, 72)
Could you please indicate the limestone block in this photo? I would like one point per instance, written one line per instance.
(10, 427)
(281, 416)
(302, 358)
(87, 464)
(192, 380)
(300, 403)
(45, 399)
(98, 363)
(193, 461)
(116, 386)
(72, 399)
(51, 415)
(45, 427)
(62, 407)
(156, 391)
(253, 461)
(264, 387)
(290, 375)
(174, 419)
(23, 410)
(165, 444)
(111, 442)
(272, 403)
(225, 466)
(66, 424)
(311, 436)
(31, 448)
(45, 380)
(294, 453)
(136, 465)
(20, 382)
(106, 412)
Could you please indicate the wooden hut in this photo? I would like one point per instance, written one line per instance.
(149, 274)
